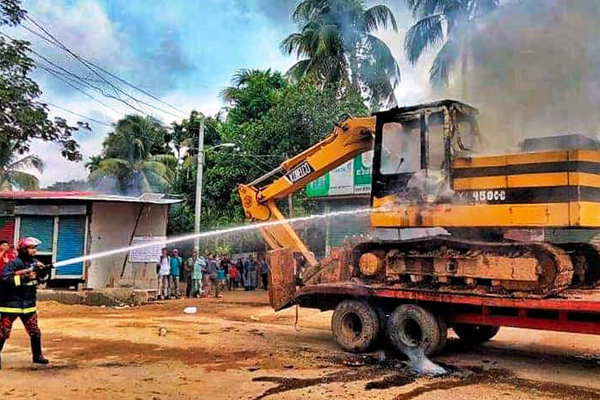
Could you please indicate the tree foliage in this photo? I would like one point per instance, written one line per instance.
(137, 156)
(447, 23)
(336, 44)
(13, 170)
(23, 117)
(269, 120)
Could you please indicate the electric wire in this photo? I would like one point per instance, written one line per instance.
(79, 115)
(93, 68)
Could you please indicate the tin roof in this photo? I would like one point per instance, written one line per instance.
(152, 198)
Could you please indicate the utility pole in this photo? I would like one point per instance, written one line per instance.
(199, 182)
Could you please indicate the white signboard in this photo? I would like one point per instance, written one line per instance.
(148, 254)
(342, 179)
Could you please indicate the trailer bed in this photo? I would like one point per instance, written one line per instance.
(574, 310)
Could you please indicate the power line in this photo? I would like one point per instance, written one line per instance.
(57, 76)
(79, 115)
(89, 65)
(78, 78)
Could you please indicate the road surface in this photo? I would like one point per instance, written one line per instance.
(238, 348)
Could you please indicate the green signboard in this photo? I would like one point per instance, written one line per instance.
(353, 177)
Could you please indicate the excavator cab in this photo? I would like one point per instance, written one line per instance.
(415, 146)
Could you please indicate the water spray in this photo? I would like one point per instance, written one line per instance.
(193, 236)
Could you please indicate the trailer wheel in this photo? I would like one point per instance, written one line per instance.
(411, 327)
(475, 334)
(443, 333)
(355, 325)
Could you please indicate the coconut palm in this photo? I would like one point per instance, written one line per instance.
(450, 22)
(127, 156)
(336, 44)
(12, 168)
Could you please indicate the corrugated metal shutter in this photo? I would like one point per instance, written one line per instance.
(71, 238)
(7, 229)
(41, 228)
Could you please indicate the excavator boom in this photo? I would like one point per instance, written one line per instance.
(349, 138)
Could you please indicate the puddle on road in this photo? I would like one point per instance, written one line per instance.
(392, 373)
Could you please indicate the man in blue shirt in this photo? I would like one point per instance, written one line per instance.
(176, 263)
(264, 273)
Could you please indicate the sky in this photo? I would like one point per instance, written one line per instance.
(183, 53)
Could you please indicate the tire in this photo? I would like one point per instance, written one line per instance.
(475, 334)
(411, 327)
(443, 334)
(355, 325)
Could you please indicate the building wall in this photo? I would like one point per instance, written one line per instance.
(112, 226)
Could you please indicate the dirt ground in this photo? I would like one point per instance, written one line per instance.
(238, 348)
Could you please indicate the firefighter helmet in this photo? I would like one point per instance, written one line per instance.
(28, 242)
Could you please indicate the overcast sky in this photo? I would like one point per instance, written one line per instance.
(184, 53)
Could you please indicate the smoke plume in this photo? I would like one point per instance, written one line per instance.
(533, 70)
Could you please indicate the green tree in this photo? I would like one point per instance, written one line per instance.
(450, 22)
(13, 173)
(22, 116)
(336, 44)
(128, 157)
(269, 120)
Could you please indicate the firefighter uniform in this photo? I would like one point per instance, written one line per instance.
(18, 297)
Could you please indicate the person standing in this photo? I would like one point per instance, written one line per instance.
(232, 275)
(18, 297)
(7, 254)
(250, 273)
(189, 269)
(175, 263)
(212, 271)
(240, 267)
(163, 270)
(264, 273)
(196, 277)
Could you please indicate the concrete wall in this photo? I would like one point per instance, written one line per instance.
(111, 226)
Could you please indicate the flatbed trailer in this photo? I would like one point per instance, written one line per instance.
(574, 310)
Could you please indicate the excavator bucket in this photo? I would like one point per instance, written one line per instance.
(282, 277)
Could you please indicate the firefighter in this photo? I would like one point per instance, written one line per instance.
(18, 295)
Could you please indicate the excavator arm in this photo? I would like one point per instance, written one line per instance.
(349, 138)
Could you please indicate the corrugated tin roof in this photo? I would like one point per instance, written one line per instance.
(151, 198)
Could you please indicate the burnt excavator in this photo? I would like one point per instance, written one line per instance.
(446, 221)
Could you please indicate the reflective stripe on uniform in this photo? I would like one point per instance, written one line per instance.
(14, 310)
(17, 280)
(31, 283)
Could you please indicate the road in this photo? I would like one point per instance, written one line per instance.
(238, 348)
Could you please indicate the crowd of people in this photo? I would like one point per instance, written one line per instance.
(207, 276)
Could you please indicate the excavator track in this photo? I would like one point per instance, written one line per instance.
(515, 269)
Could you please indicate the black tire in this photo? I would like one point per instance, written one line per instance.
(411, 327)
(475, 334)
(355, 325)
(443, 334)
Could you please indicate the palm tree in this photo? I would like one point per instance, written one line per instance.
(336, 44)
(12, 173)
(127, 156)
(450, 22)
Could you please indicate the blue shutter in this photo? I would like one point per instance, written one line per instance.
(41, 228)
(71, 238)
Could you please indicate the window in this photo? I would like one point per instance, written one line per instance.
(401, 149)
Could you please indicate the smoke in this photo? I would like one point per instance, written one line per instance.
(533, 71)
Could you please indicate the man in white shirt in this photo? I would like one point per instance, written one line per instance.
(163, 270)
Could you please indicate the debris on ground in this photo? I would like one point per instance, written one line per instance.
(162, 331)
(256, 332)
(190, 310)
(253, 318)
(252, 369)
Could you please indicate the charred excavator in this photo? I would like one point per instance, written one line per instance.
(444, 219)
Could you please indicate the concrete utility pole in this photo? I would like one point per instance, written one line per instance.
(199, 182)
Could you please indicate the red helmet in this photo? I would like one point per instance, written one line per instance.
(27, 242)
